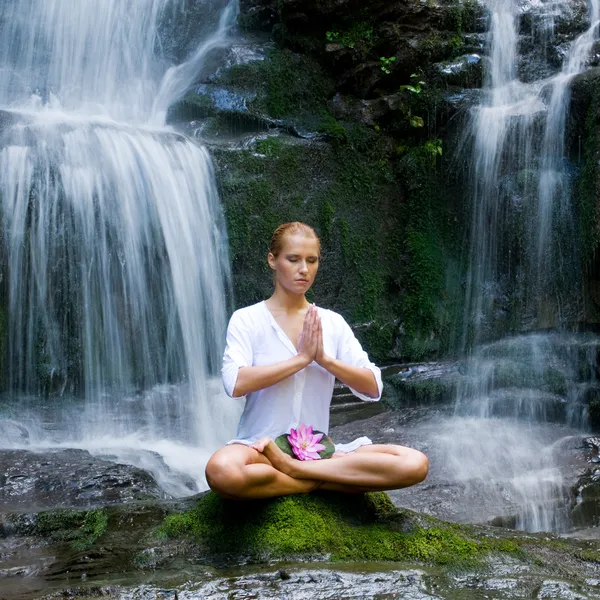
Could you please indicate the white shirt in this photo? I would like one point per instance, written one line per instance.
(255, 339)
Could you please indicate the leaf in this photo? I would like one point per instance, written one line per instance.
(411, 88)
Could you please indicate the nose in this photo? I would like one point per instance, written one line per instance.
(303, 267)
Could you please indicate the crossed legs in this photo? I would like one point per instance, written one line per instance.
(264, 471)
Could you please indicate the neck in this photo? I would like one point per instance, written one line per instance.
(286, 300)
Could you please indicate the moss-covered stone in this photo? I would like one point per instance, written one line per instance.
(365, 527)
(80, 528)
(387, 239)
(424, 392)
(286, 84)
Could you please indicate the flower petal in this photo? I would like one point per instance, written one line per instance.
(317, 437)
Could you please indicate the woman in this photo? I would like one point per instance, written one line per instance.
(283, 355)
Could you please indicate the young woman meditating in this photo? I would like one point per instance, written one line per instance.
(283, 355)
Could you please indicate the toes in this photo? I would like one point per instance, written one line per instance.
(261, 444)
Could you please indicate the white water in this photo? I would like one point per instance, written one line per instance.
(114, 250)
(523, 262)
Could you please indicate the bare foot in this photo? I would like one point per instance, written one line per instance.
(259, 445)
(278, 458)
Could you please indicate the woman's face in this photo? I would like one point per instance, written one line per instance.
(297, 264)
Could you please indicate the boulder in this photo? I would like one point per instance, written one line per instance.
(69, 478)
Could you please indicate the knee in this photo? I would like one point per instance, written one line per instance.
(419, 467)
(412, 469)
(223, 477)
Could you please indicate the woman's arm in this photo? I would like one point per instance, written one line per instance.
(251, 379)
(360, 379)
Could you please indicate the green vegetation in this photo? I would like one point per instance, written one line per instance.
(286, 84)
(81, 528)
(429, 312)
(358, 36)
(386, 64)
(342, 527)
(587, 196)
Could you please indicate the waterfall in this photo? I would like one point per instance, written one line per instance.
(524, 268)
(114, 257)
(524, 275)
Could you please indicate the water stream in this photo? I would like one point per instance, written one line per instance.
(114, 249)
(524, 274)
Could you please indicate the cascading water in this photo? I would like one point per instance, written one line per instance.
(114, 253)
(524, 275)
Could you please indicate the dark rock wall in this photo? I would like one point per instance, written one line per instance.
(359, 105)
(585, 134)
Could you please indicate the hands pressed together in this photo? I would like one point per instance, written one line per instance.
(310, 341)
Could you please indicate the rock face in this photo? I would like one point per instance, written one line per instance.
(330, 122)
(68, 478)
(415, 33)
(368, 102)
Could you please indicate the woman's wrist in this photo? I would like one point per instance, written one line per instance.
(302, 360)
(326, 361)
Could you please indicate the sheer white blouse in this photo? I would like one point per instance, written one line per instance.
(255, 339)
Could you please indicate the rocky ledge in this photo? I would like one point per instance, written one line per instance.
(117, 551)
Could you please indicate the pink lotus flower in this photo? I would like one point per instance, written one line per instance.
(305, 444)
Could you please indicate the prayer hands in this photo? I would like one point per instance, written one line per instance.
(310, 342)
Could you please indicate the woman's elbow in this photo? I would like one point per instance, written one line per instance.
(240, 387)
(238, 392)
(375, 388)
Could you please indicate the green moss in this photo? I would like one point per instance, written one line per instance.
(589, 555)
(587, 196)
(429, 306)
(358, 36)
(286, 84)
(461, 16)
(270, 147)
(81, 528)
(192, 106)
(338, 189)
(93, 527)
(366, 527)
(511, 374)
(50, 522)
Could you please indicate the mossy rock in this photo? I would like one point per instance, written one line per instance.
(284, 84)
(81, 528)
(421, 392)
(322, 526)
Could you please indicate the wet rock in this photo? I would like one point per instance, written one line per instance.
(352, 37)
(422, 384)
(465, 71)
(586, 511)
(69, 478)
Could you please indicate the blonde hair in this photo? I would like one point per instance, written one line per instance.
(277, 240)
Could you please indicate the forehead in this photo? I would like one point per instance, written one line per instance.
(297, 243)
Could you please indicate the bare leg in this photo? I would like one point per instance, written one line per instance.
(240, 472)
(377, 467)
